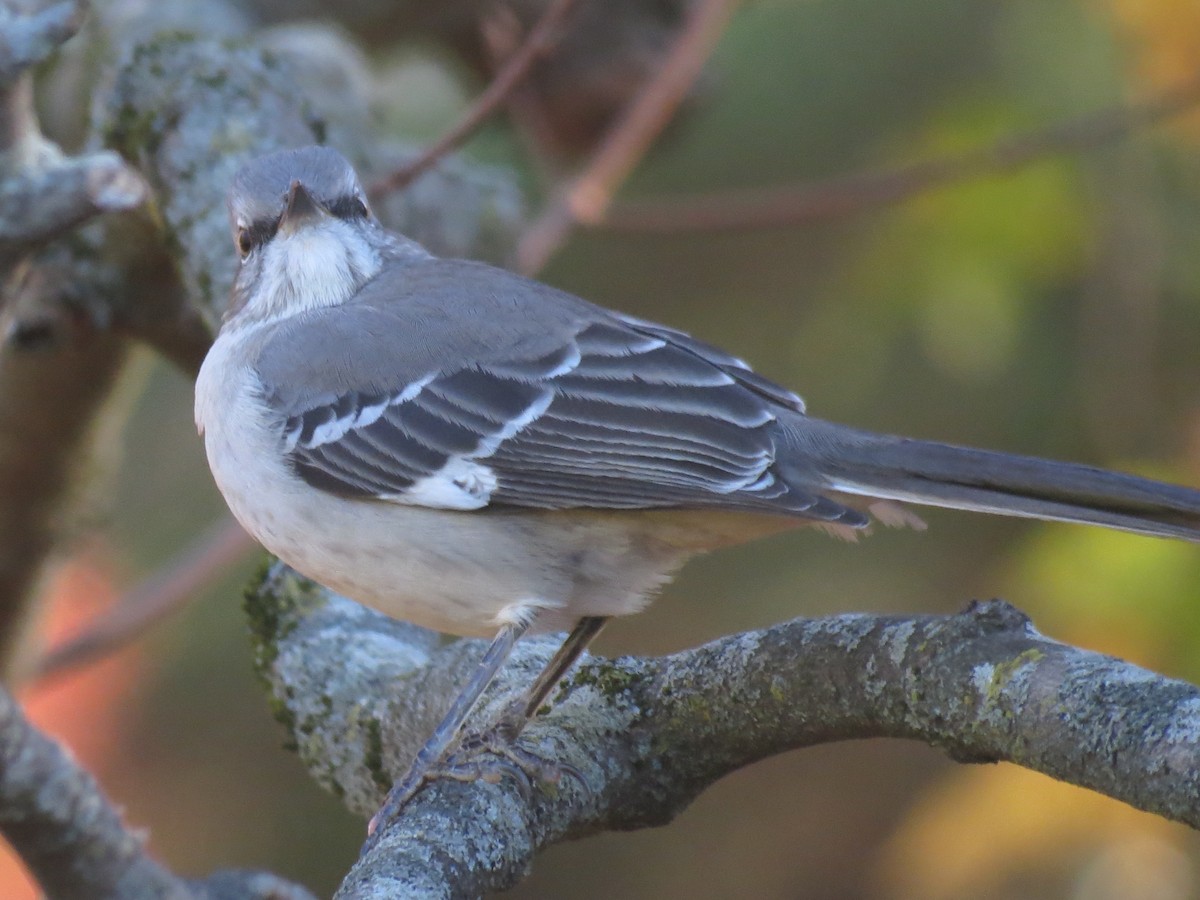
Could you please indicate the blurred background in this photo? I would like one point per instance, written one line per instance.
(1054, 310)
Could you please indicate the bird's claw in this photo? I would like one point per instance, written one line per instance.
(492, 755)
(487, 756)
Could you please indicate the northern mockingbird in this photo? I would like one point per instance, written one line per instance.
(481, 454)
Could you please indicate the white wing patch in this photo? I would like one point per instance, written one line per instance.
(463, 482)
(412, 390)
(460, 484)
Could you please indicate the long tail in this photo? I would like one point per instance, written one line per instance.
(933, 474)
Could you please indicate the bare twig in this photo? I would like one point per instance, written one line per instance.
(586, 197)
(784, 205)
(541, 38)
(151, 601)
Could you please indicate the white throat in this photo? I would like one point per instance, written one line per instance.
(321, 265)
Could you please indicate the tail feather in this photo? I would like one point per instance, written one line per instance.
(933, 474)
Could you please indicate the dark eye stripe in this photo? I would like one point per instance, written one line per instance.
(348, 207)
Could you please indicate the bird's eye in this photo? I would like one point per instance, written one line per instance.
(350, 207)
(245, 241)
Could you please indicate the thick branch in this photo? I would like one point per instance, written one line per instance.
(649, 735)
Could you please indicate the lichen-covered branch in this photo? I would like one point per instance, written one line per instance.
(649, 735)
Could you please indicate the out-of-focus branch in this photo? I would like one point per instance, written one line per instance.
(31, 34)
(48, 201)
(538, 42)
(52, 378)
(151, 601)
(790, 205)
(56, 373)
(649, 735)
(585, 197)
(72, 838)
(43, 193)
(569, 99)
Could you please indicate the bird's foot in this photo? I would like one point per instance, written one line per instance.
(488, 756)
(491, 755)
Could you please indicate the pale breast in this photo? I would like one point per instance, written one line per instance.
(455, 571)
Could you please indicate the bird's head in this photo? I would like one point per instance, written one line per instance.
(304, 234)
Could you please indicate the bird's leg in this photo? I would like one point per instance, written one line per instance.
(434, 749)
(467, 761)
(577, 641)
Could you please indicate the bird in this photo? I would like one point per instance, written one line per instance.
(482, 454)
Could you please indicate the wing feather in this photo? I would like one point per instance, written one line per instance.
(620, 414)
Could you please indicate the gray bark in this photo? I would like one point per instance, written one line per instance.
(648, 735)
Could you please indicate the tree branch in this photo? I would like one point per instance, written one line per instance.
(585, 197)
(158, 596)
(648, 735)
(72, 838)
(53, 380)
(780, 206)
(537, 43)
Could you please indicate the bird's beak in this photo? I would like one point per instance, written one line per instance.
(302, 209)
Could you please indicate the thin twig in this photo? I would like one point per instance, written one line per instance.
(540, 40)
(804, 204)
(586, 197)
(152, 600)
